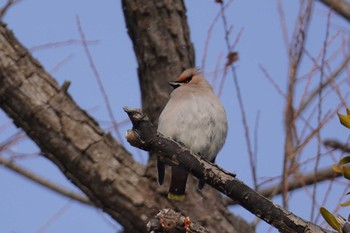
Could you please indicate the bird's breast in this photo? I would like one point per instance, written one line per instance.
(198, 123)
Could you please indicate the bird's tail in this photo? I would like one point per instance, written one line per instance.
(177, 184)
(161, 171)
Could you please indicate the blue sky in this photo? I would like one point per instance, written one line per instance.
(27, 207)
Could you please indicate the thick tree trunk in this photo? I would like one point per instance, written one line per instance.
(160, 35)
(91, 159)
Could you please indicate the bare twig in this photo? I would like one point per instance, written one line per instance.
(336, 145)
(45, 183)
(295, 53)
(62, 44)
(61, 63)
(256, 129)
(317, 67)
(54, 218)
(315, 132)
(284, 28)
(99, 82)
(325, 174)
(331, 79)
(210, 29)
(240, 101)
(16, 137)
(307, 179)
(274, 84)
(7, 6)
(319, 113)
(216, 72)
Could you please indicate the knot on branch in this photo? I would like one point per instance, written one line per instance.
(168, 220)
(143, 132)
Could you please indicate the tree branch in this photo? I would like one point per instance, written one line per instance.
(342, 7)
(335, 144)
(332, 78)
(297, 183)
(144, 136)
(45, 183)
(6, 7)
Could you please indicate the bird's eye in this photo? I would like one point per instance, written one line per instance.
(187, 80)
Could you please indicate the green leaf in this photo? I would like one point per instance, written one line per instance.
(330, 219)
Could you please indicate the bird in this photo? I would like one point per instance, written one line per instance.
(195, 118)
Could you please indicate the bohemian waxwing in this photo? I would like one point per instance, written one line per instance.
(194, 117)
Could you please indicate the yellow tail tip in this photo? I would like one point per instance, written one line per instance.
(172, 196)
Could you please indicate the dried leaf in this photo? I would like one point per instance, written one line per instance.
(231, 58)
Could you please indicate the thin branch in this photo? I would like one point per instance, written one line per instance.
(310, 178)
(336, 145)
(7, 6)
(99, 82)
(240, 99)
(302, 181)
(326, 198)
(284, 27)
(62, 44)
(210, 29)
(331, 79)
(54, 218)
(295, 55)
(10, 141)
(216, 72)
(256, 129)
(274, 84)
(319, 112)
(342, 7)
(315, 132)
(317, 67)
(45, 183)
(61, 63)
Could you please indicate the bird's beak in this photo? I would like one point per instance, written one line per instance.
(174, 84)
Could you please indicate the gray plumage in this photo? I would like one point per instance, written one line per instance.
(194, 117)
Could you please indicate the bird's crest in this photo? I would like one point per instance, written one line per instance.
(188, 74)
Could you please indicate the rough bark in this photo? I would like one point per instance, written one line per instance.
(90, 158)
(160, 36)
